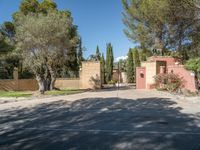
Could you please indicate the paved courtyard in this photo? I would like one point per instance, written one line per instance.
(103, 120)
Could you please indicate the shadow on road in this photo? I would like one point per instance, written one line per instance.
(97, 123)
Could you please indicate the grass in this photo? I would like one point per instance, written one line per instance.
(63, 92)
(17, 94)
(14, 94)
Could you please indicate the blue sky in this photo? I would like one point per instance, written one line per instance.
(99, 22)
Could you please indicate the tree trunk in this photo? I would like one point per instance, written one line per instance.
(53, 78)
(41, 84)
(52, 85)
(196, 80)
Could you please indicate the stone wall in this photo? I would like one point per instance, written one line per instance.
(90, 75)
(19, 85)
(68, 83)
(150, 73)
(90, 78)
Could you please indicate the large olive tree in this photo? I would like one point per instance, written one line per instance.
(44, 41)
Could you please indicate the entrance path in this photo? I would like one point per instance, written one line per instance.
(103, 120)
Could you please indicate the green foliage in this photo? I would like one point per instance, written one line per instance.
(170, 82)
(14, 94)
(163, 24)
(64, 92)
(43, 40)
(98, 54)
(47, 5)
(136, 58)
(122, 65)
(109, 62)
(112, 82)
(80, 52)
(194, 65)
(102, 68)
(130, 67)
(35, 6)
(28, 6)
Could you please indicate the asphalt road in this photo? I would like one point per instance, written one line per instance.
(103, 120)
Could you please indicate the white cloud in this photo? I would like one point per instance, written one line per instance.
(120, 58)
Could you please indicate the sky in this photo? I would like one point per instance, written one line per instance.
(99, 22)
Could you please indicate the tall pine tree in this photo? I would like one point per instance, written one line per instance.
(109, 62)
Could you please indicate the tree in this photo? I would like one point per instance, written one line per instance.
(122, 64)
(47, 5)
(28, 6)
(102, 68)
(8, 59)
(109, 62)
(98, 54)
(130, 67)
(71, 67)
(43, 41)
(162, 24)
(80, 52)
(136, 58)
(194, 65)
(35, 6)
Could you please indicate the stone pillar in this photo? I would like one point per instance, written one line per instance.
(16, 78)
(15, 74)
(90, 75)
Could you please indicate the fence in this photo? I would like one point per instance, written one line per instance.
(90, 78)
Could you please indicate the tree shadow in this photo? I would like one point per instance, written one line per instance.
(98, 123)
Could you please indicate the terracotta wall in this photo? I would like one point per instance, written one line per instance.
(140, 78)
(188, 76)
(169, 60)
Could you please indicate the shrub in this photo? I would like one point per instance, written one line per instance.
(112, 82)
(170, 82)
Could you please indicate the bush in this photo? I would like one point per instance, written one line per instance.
(170, 82)
(112, 82)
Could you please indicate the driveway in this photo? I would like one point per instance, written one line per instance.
(103, 120)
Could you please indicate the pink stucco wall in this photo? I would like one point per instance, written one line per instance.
(188, 78)
(171, 66)
(140, 78)
(169, 60)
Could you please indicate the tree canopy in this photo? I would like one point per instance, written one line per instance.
(163, 25)
(44, 41)
(109, 62)
(130, 67)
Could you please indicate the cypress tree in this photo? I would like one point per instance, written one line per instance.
(102, 68)
(136, 61)
(136, 58)
(109, 62)
(98, 54)
(130, 67)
